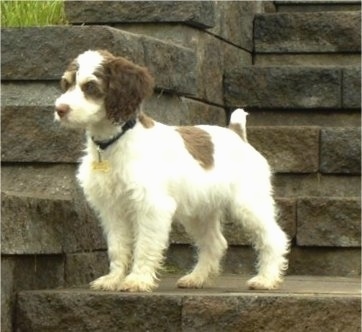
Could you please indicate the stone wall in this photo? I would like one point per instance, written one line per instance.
(304, 106)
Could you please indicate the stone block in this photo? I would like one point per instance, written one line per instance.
(90, 311)
(318, 32)
(329, 222)
(352, 87)
(287, 149)
(82, 268)
(48, 180)
(341, 150)
(325, 261)
(234, 22)
(173, 71)
(320, 185)
(213, 55)
(30, 135)
(197, 13)
(283, 87)
(23, 273)
(256, 313)
(33, 225)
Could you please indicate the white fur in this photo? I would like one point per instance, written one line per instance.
(154, 180)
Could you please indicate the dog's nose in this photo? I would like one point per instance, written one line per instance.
(62, 109)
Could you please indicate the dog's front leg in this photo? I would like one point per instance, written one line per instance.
(119, 240)
(153, 226)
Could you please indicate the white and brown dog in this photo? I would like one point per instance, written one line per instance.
(140, 175)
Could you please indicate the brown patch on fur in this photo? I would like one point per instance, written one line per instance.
(198, 143)
(68, 78)
(127, 84)
(235, 127)
(146, 121)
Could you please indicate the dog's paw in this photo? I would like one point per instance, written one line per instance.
(109, 282)
(138, 283)
(191, 281)
(259, 282)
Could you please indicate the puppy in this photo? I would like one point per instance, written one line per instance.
(139, 175)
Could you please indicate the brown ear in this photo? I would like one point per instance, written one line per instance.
(128, 85)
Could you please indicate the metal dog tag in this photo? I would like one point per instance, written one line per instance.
(101, 165)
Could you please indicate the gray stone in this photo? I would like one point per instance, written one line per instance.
(197, 13)
(30, 135)
(82, 268)
(329, 222)
(341, 150)
(325, 261)
(26, 272)
(287, 149)
(317, 6)
(320, 185)
(48, 180)
(283, 87)
(352, 87)
(258, 313)
(80, 310)
(234, 22)
(32, 225)
(213, 55)
(173, 71)
(318, 32)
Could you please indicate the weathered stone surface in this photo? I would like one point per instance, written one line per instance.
(197, 13)
(352, 87)
(283, 87)
(341, 150)
(79, 310)
(33, 225)
(82, 268)
(234, 22)
(214, 56)
(302, 185)
(51, 181)
(287, 149)
(325, 261)
(257, 313)
(173, 66)
(295, 117)
(303, 59)
(317, 6)
(329, 222)
(26, 272)
(318, 32)
(29, 134)
(227, 306)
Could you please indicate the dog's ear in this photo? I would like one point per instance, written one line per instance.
(127, 85)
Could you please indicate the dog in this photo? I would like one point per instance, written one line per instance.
(139, 175)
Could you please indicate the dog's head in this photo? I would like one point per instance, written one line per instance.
(98, 86)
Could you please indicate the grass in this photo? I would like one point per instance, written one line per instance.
(17, 13)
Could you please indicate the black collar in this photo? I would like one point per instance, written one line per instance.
(105, 144)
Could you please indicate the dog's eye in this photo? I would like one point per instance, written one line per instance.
(64, 84)
(91, 88)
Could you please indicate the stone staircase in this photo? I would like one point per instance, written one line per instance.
(294, 65)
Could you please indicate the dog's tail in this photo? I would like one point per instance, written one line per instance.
(238, 123)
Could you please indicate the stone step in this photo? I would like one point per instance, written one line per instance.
(196, 13)
(37, 50)
(301, 304)
(317, 5)
(293, 87)
(33, 225)
(318, 32)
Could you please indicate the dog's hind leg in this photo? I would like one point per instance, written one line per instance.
(270, 242)
(211, 246)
